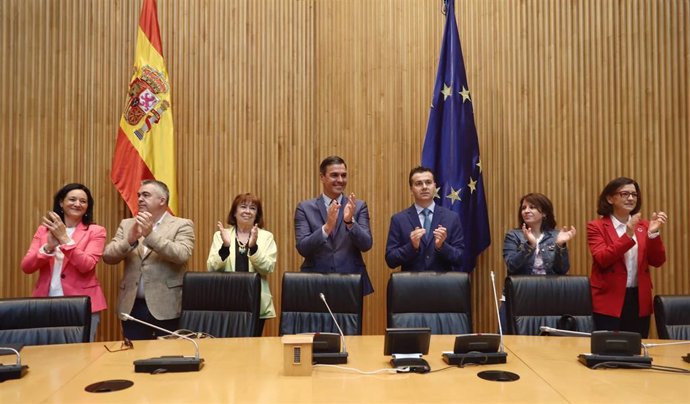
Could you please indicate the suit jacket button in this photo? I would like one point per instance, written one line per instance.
(62, 276)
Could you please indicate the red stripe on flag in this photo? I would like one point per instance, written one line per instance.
(128, 170)
(148, 22)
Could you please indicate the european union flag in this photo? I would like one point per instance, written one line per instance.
(451, 148)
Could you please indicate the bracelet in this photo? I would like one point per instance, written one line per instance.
(346, 222)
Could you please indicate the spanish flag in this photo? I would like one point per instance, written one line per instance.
(145, 146)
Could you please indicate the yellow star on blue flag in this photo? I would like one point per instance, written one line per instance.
(453, 196)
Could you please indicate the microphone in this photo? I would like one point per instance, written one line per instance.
(567, 333)
(14, 371)
(163, 364)
(498, 314)
(500, 356)
(645, 347)
(329, 357)
(472, 348)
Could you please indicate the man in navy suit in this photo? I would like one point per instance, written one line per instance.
(332, 230)
(425, 236)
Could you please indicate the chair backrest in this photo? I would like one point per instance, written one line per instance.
(672, 316)
(438, 300)
(223, 304)
(533, 301)
(304, 311)
(45, 320)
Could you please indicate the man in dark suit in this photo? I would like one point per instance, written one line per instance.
(155, 247)
(332, 230)
(425, 236)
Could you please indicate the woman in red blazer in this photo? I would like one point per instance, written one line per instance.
(623, 246)
(65, 250)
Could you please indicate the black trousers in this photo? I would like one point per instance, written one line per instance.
(629, 320)
(133, 330)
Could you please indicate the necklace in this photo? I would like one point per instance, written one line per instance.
(242, 246)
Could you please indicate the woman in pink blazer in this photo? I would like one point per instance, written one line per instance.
(65, 250)
(623, 245)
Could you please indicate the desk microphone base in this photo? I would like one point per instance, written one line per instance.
(329, 358)
(478, 358)
(619, 361)
(415, 365)
(9, 372)
(165, 364)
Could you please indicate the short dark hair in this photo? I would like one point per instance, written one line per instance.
(161, 187)
(604, 208)
(544, 205)
(329, 161)
(248, 198)
(87, 219)
(418, 170)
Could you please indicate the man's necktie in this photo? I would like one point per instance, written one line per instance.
(427, 220)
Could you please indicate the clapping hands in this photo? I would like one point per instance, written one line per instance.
(527, 232)
(658, 221)
(142, 227)
(253, 235)
(565, 235)
(224, 234)
(349, 208)
(56, 227)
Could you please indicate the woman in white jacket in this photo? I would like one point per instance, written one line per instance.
(245, 246)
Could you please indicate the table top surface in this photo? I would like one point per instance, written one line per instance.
(251, 370)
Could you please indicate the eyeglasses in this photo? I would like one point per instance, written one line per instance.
(626, 194)
(126, 344)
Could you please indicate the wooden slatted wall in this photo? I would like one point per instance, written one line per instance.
(567, 95)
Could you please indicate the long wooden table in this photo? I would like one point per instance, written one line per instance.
(554, 361)
(251, 370)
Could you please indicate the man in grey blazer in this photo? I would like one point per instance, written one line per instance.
(332, 230)
(155, 247)
(425, 236)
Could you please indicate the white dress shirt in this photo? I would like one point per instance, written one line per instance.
(55, 279)
(630, 255)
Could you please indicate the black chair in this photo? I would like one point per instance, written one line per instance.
(223, 304)
(438, 300)
(563, 302)
(672, 316)
(304, 311)
(45, 320)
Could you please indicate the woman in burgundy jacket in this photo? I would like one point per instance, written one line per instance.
(66, 249)
(623, 246)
